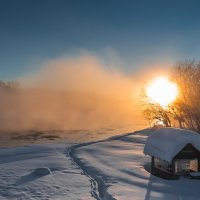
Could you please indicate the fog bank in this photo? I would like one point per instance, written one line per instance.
(80, 92)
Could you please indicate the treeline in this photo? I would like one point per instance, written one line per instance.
(185, 111)
(9, 85)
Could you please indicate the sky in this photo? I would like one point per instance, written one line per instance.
(139, 33)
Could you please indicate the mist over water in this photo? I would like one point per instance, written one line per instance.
(71, 93)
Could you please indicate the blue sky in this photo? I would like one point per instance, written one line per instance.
(140, 32)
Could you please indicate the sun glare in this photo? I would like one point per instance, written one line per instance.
(162, 91)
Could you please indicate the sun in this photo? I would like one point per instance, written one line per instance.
(162, 91)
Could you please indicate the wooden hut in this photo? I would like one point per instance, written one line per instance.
(174, 153)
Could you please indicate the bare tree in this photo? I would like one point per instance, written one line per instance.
(187, 77)
(184, 112)
(154, 112)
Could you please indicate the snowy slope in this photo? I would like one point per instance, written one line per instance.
(121, 169)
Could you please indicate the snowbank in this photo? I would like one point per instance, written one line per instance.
(165, 143)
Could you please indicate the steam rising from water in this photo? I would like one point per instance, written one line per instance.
(71, 93)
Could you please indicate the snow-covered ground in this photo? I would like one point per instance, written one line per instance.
(114, 168)
(18, 180)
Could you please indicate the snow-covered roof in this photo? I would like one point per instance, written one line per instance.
(166, 143)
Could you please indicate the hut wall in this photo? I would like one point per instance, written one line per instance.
(187, 160)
